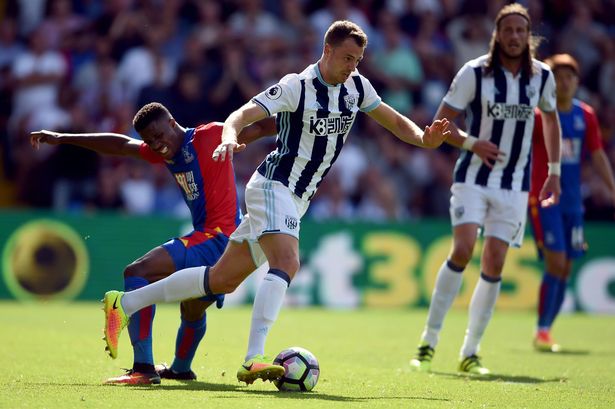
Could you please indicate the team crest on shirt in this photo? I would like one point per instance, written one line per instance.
(291, 222)
(350, 101)
(188, 156)
(274, 92)
(530, 91)
(459, 211)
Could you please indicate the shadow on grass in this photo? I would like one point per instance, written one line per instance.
(572, 352)
(495, 377)
(242, 391)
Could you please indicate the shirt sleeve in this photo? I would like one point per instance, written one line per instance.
(148, 154)
(281, 97)
(593, 136)
(462, 89)
(548, 99)
(371, 99)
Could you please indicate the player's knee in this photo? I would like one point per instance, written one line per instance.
(193, 310)
(493, 266)
(136, 269)
(289, 264)
(220, 283)
(227, 286)
(557, 267)
(462, 254)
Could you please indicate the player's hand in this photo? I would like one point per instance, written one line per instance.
(436, 133)
(44, 136)
(226, 149)
(550, 192)
(488, 152)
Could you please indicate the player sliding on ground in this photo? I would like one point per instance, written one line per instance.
(314, 110)
(209, 191)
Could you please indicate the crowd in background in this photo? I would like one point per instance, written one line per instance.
(88, 65)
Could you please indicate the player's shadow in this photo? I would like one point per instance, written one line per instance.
(573, 352)
(495, 377)
(223, 387)
(563, 352)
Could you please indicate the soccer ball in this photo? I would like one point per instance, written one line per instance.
(301, 370)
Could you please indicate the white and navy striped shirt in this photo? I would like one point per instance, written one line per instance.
(313, 120)
(499, 107)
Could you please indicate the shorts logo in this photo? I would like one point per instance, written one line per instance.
(274, 92)
(459, 211)
(291, 222)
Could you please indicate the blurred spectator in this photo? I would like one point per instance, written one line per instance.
(84, 65)
(470, 35)
(253, 22)
(338, 10)
(60, 22)
(583, 38)
(140, 65)
(380, 203)
(188, 101)
(137, 189)
(396, 66)
(210, 27)
(30, 15)
(233, 83)
(107, 196)
(37, 74)
(331, 201)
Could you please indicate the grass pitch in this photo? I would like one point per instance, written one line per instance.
(52, 357)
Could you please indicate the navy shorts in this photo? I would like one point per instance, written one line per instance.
(198, 249)
(557, 231)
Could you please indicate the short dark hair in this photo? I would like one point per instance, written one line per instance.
(563, 60)
(341, 30)
(149, 113)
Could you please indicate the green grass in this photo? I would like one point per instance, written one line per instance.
(52, 357)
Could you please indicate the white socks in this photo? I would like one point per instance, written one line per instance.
(181, 285)
(267, 304)
(444, 293)
(481, 309)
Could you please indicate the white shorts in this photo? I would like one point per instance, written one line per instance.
(501, 213)
(271, 209)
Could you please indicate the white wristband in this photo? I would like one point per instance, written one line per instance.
(555, 168)
(468, 142)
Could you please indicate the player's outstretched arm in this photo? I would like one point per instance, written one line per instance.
(406, 130)
(551, 189)
(105, 143)
(236, 121)
(487, 151)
